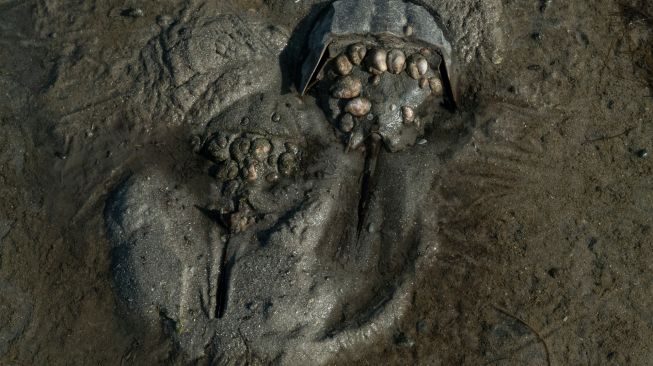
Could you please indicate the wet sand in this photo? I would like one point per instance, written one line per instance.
(542, 198)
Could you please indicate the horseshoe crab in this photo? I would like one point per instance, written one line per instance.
(249, 256)
(398, 53)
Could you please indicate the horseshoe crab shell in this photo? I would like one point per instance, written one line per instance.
(391, 23)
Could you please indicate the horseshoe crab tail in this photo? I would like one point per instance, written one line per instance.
(373, 146)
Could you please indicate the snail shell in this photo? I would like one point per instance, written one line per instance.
(396, 61)
(347, 87)
(356, 53)
(347, 123)
(343, 65)
(436, 86)
(408, 113)
(377, 61)
(358, 107)
(417, 66)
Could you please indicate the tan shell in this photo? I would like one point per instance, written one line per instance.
(358, 107)
(417, 66)
(250, 173)
(347, 87)
(261, 149)
(347, 123)
(436, 86)
(396, 61)
(356, 53)
(408, 113)
(423, 82)
(377, 61)
(343, 65)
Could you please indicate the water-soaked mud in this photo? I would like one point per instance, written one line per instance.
(169, 196)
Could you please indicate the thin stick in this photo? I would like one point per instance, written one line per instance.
(537, 334)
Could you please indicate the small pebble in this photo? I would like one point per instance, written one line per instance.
(276, 117)
(272, 177)
(132, 13)
(244, 121)
(642, 153)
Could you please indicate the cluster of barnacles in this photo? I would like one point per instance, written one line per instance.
(242, 161)
(352, 76)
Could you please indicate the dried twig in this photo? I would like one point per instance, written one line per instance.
(537, 334)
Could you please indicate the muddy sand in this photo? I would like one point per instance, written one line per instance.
(168, 196)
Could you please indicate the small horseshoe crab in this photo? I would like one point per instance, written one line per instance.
(375, 67)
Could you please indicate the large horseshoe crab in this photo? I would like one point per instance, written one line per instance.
(376, 66)
(273, 278)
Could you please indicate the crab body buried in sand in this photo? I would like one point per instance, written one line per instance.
(378, 67)
(282, 257)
